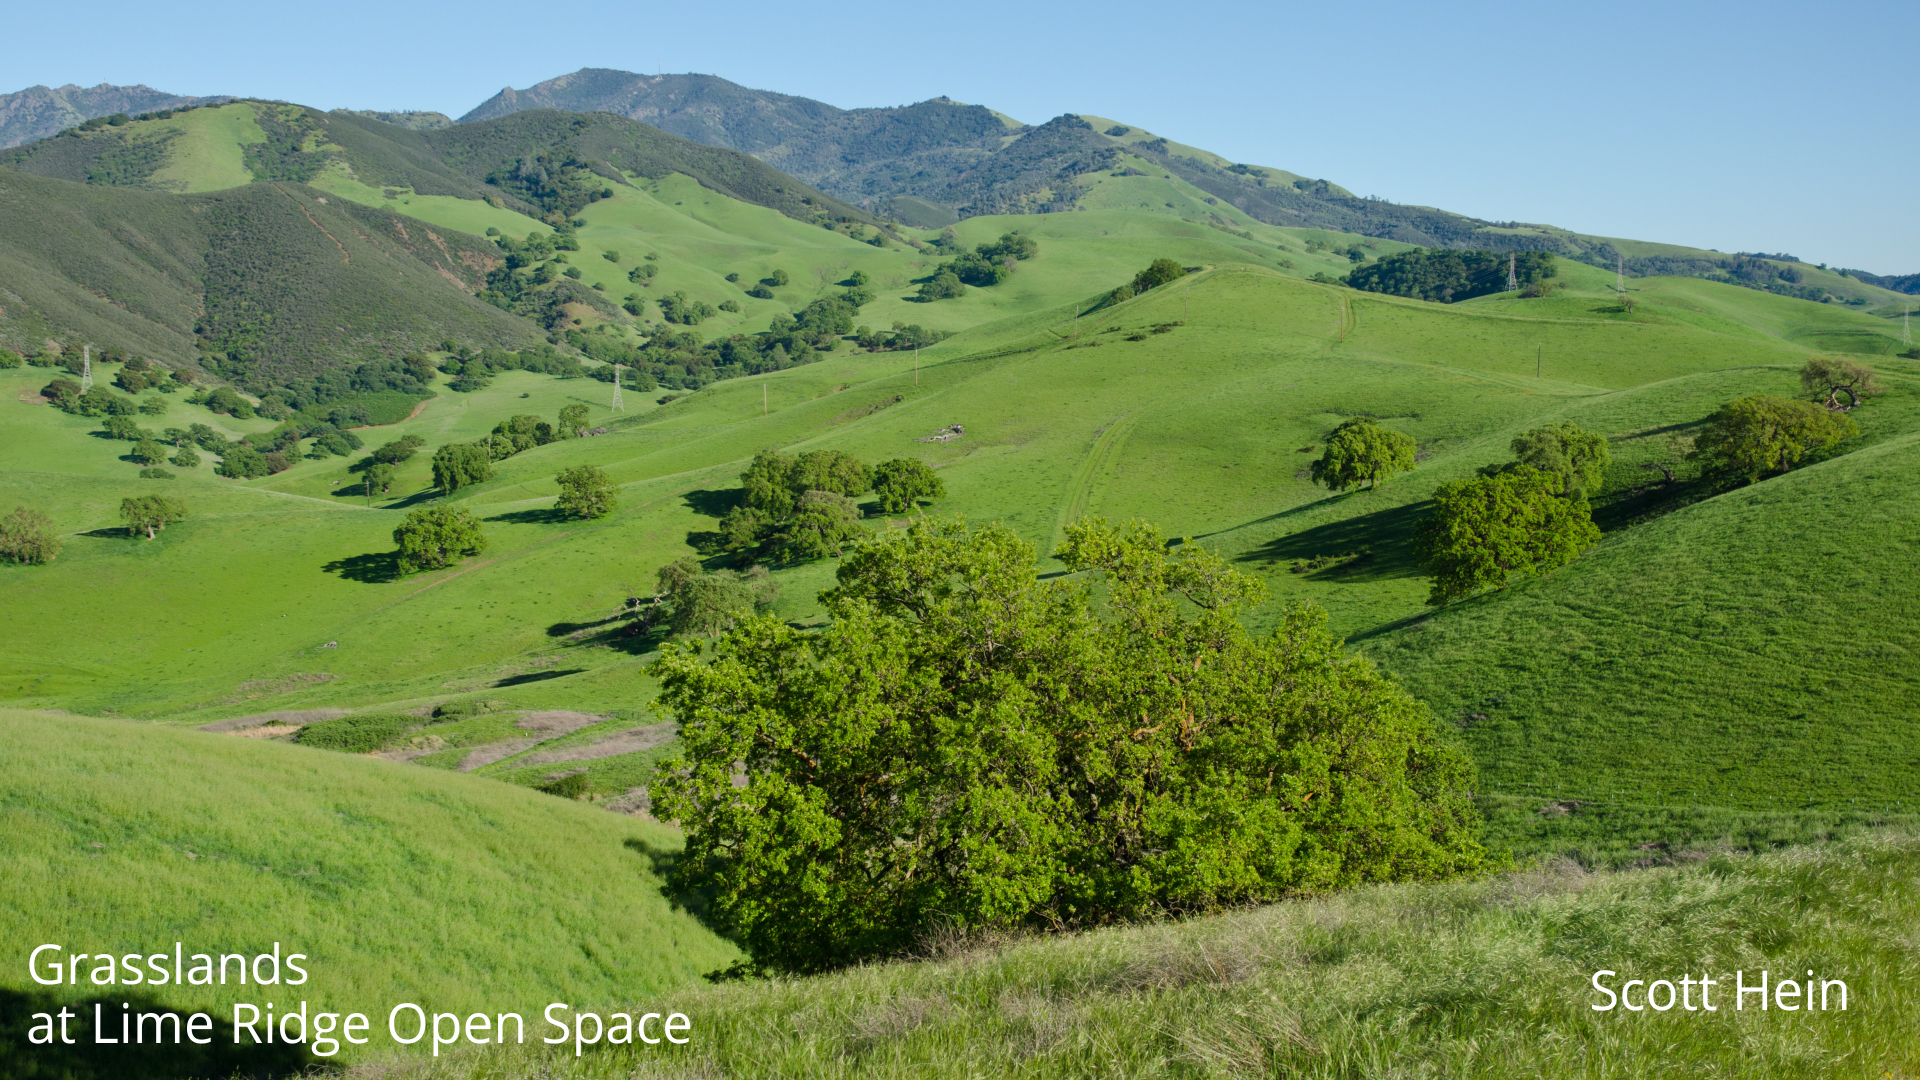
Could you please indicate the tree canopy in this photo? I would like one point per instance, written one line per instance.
(1361, 451)
(586, 492)
(1752, 436)
(966, 745)
(27, 537)
(700, 603)
(458, 465)
(1579, 458)
(436, 536)
(1446, 276)
(903, 482)
(150, 513)
(1828, 377)
(1486, 530)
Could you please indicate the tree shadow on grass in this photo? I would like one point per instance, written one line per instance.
(374, 568)
(1385, 536)
(544, 516)
(415, 499)
(85, 1059)
(662, 861)
(536, 676)
(710, 503)
(118, 532)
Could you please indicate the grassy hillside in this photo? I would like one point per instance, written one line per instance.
(275, 277)
(1198, 429)
(399, 884)
(1483, 979)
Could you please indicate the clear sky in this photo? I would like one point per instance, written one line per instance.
(1758, 126)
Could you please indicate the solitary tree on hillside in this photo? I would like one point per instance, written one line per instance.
(1361, 451)
(586, 492)
(903, 482)
(437, 536)
(1485, 530)
(1829, 377)
(573, 421)
(1752, 436)
(26, 536)
(150, 512)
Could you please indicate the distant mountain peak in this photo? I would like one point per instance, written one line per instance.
(40, 111)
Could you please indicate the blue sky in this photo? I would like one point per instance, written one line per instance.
(1742, 127)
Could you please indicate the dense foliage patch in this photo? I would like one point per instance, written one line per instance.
(966, 745)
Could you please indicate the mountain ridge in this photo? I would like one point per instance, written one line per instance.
(40, 111)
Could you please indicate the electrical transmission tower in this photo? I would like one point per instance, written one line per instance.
(1513, 279)
(86, 368)
(618, 405)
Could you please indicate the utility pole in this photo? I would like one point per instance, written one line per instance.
(618, 405)
(1906, 327)
(763, 399)
(1539, 353)
(916, 365)
(86, 368)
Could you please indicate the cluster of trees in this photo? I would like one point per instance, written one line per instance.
(150, 513)
(1527, 516)
(139, 374)
(795, 509)
(800, 508)
(458, 465)
(27, 537)
(66, 395)
(1158, 273)
(1445, 275)
(558, 183)
(676, 308)
(410, 374)
(437, 536)
(690, 601)
(968, 746)
(378, 467)
(986, 265)
(902, 336)
(474, 369)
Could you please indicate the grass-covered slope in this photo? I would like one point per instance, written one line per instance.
(1199, 428)
(395, 882)
(1481, 979)
(1751, 650)
(277, 276)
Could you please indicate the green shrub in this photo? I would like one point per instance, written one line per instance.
(968, 747)
(358, 734)
(156, 473)
(570, 786)
(27, 537)
(437, 536)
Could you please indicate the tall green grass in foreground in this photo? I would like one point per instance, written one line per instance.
(1473, 979)
(398, 883)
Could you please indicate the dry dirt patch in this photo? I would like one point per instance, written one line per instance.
(627, 742)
